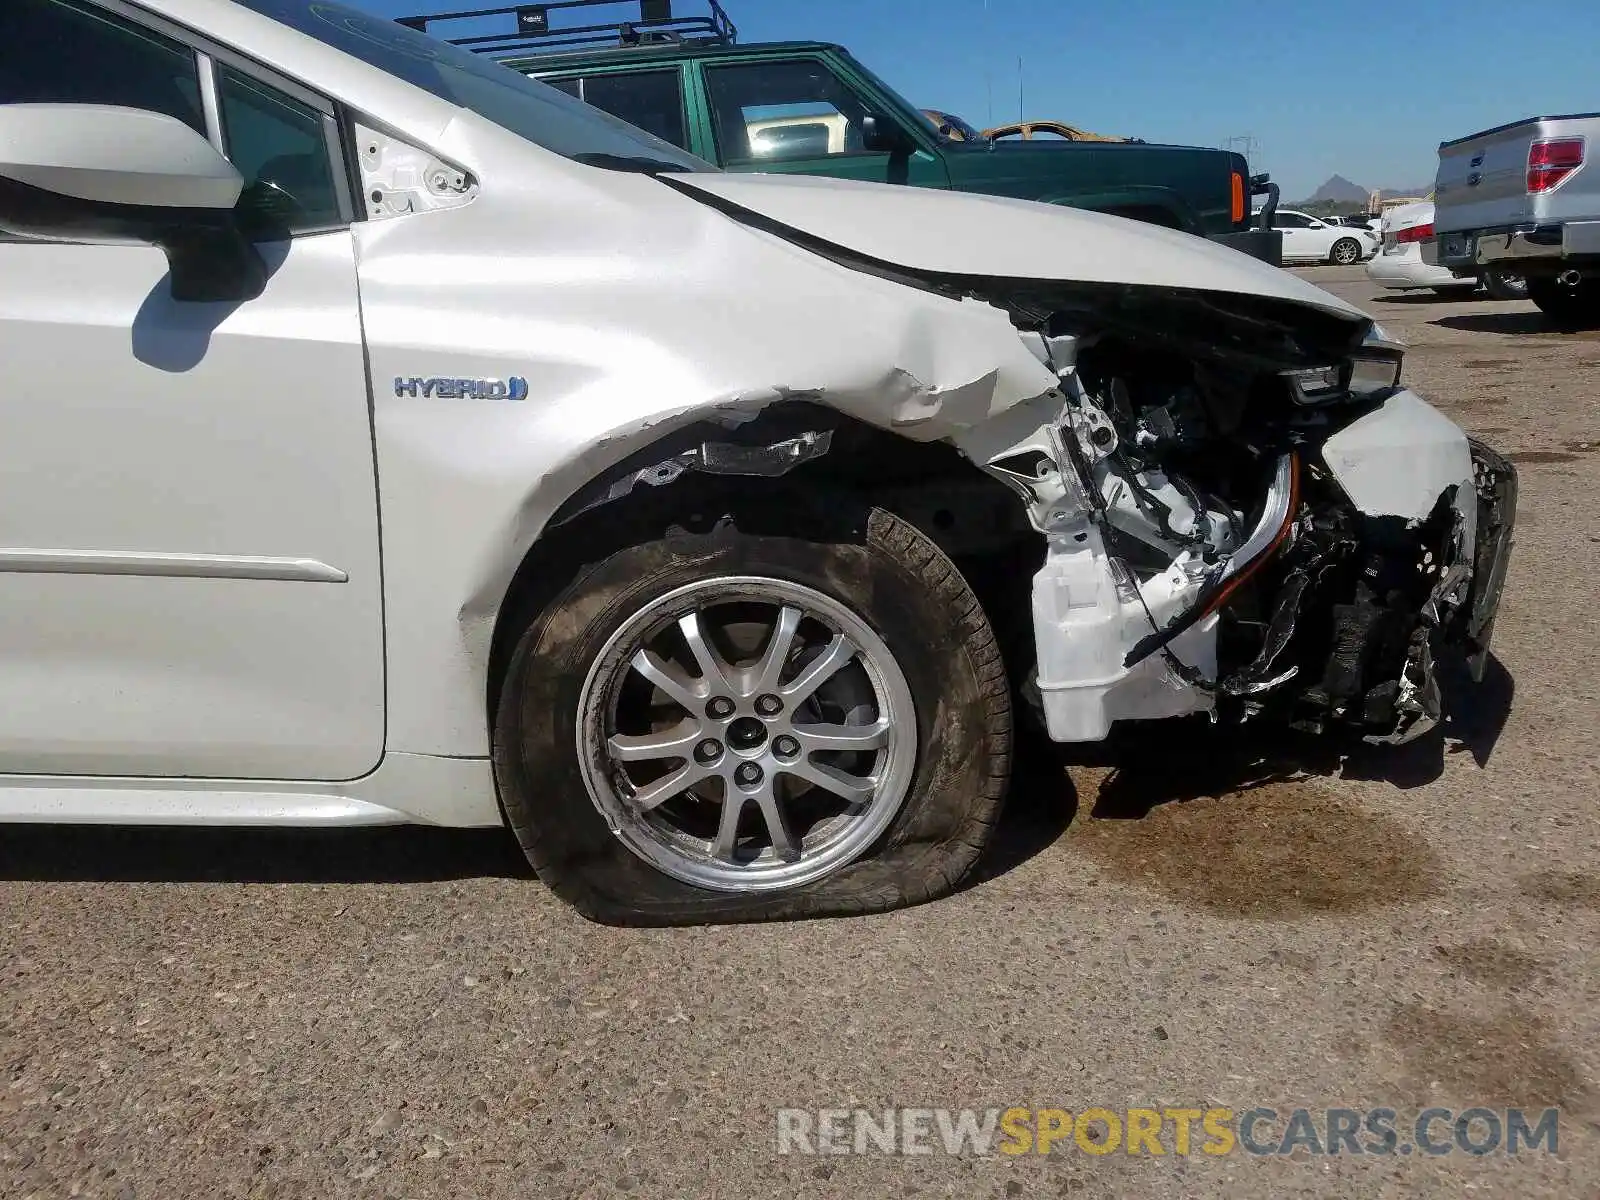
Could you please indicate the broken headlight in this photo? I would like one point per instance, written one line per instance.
(1374, 368)
(1371, 374)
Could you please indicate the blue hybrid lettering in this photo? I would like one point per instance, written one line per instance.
(515, 388)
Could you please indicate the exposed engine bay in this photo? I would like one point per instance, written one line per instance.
(1247, 516)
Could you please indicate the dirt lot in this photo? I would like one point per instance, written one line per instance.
(405, 1013)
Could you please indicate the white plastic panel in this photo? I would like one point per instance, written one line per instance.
(397, 178)
(1399, 459)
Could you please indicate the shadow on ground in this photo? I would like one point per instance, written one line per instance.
(1042, 803)
(1418, 299)
(1136, 772)
(400, 854)
(1521, 322)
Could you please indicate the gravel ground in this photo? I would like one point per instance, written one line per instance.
(1212, 924)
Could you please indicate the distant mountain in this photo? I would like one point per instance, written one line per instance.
(1338, 190)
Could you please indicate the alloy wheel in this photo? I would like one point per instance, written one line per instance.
(747, 734)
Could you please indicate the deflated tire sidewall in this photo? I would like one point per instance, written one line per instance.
(879, 567)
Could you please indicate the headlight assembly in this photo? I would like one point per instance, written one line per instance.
(1372, 369)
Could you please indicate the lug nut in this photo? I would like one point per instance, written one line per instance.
(720, 709)
(769, 706)
(785, 746)
(708, 751)
(748, 774)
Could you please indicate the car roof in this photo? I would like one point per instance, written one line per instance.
(617, 56)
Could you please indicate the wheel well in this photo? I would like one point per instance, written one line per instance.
(968, 513)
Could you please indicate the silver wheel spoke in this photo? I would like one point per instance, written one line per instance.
(824, 667)
(853, 788)
(678, 707)
(666, 677)
(727, 839)
(783, 841)
(677, 742)
(843, 737)
(712, 671)
(661, 790)
(765, 677)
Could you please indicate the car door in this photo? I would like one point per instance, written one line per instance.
(1298, 240)
(1319, 238)
(799, 116)
(189, 568)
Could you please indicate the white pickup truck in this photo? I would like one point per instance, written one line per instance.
(1518, 198)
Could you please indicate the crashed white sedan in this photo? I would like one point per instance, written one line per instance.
(394, 439)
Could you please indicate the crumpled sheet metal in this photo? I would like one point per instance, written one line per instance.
(618, 351)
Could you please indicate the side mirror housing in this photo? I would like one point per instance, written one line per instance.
(95, 173)
(880, 135)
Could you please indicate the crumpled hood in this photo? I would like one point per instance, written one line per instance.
(960, 233)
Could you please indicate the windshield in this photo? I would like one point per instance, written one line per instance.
(953, 129)
(529, 109)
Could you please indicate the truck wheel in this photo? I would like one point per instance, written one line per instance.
(1567, 306)
(799, 711)
(1345, 252)
(1503, 285)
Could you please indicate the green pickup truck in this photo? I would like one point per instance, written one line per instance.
(811, 108)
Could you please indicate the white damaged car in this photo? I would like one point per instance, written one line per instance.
(391, 438)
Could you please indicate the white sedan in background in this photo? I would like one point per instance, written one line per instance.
(1309, 239)
(1407, 229)
(1399, 263)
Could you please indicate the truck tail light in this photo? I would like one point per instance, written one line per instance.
(1236, 209)
(1550, 160)
(1417, 233)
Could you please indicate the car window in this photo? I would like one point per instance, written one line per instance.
(652, 100)
(542, 115)
(1290, 220)
(767, 111)
(952, 128)
(62, 52)
(280, 147)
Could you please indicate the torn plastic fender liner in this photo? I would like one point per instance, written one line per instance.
(763, 458)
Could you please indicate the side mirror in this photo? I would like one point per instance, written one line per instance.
(93, 173)
(880, 135)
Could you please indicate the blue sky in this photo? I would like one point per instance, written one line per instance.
(1366, 90)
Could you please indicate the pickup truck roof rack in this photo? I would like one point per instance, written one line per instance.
(656, 25)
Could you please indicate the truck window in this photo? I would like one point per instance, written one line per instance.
(525, 107)
(768, 111)
(652, 100)
(65, 53)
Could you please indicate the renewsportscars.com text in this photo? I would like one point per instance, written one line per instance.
(1167, 1131)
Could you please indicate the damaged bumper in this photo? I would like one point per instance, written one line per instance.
(1371, 559)
(1436, 516)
